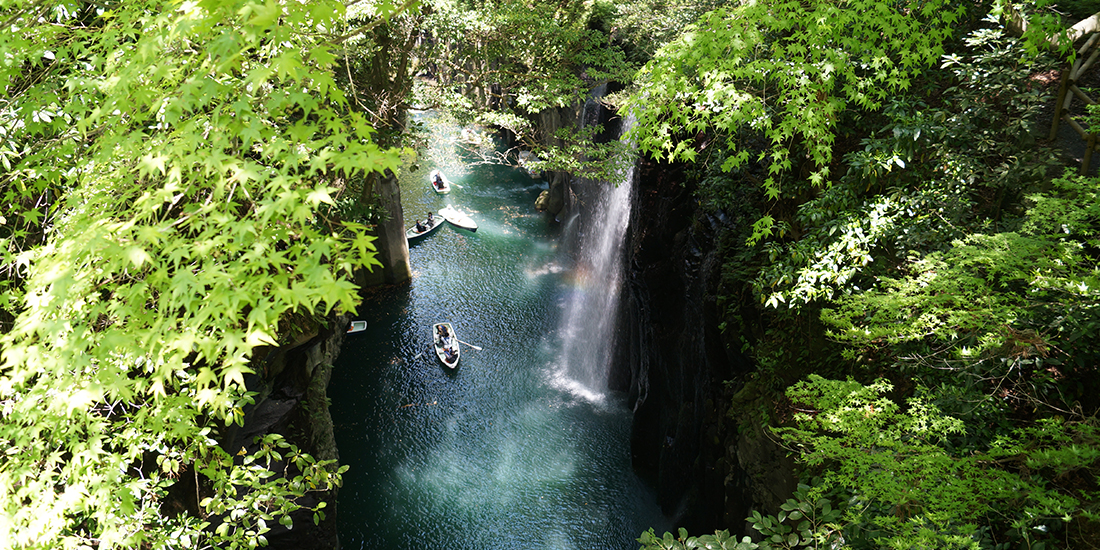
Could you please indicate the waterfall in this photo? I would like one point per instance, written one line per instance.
(590, 319)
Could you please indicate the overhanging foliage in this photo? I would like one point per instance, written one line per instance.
(165, 166)
(784, 71)
(955, 275)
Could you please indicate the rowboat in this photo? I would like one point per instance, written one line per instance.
(443, 345)
(357, 326)
(429, 226)
(441, 189)
(458, 219)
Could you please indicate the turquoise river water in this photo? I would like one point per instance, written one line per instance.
(518, 448)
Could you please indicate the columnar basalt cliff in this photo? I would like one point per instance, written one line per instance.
(393, 248)
(710, 464)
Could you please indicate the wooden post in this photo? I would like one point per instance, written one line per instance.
(1059, 106)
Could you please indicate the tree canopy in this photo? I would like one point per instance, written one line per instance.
(504, 64)
(166, 171)
(783, 71)
(911, 216)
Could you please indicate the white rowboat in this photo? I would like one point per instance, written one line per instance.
(357, 326)
(442, 190)
(458, 219)
(442, 346)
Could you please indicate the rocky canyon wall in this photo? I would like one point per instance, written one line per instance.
(710, 463)
(290, 385)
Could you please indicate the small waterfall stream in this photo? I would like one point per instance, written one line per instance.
(589, 322)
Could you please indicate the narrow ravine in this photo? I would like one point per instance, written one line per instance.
(522, 447)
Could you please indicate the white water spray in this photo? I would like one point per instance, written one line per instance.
(590, 321)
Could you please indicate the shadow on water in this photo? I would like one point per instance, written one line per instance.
(497, 454)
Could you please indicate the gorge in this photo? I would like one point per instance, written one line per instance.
(658, 354)
(846, 296)
(523, 444)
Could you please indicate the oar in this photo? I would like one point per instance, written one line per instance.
(468, 344)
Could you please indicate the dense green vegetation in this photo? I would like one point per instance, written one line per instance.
(167, 169)
(938, 257)
(182, 180)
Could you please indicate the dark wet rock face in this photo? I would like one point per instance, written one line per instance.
(674, 363)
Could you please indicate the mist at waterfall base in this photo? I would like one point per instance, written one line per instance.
(522, 446)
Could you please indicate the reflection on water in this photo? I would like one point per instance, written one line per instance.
(505, 452)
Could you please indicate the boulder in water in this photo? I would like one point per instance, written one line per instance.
(543, 201)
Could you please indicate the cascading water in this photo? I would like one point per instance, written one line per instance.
(589, 322)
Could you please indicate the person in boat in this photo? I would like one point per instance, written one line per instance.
(438, 180)
(444, 336)
(449, 354)
(419, 227)
(431, 219)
